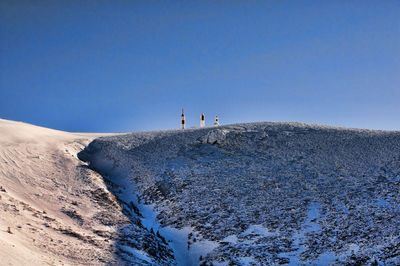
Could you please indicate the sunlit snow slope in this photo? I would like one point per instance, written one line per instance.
(54, 210)
(262, 193)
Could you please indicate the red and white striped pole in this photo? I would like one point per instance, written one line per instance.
(202, 120)
(216, 122)
(183, 119)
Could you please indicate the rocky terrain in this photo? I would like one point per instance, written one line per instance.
(243, 194)
(264, 193)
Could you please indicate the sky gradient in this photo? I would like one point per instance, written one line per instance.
(118, 66)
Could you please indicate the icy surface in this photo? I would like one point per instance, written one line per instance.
(264, 193)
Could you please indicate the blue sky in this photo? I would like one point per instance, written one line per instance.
(115, 66)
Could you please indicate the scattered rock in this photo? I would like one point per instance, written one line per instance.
(213, 137)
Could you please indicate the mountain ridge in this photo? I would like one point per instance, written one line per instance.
(261, 193)
(218, 180)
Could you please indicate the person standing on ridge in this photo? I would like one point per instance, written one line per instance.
(183, 119)
(202, 120)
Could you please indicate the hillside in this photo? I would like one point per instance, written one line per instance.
(243, 194)
(54, 210)
(261, 193)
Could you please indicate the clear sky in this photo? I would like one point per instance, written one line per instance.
(113, 66)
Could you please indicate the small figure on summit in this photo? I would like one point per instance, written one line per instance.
(183, 119)
(202, 120)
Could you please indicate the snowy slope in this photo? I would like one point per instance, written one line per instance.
(261, 193)
(58, 210)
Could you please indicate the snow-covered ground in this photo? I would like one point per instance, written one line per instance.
(54, 210)
(261, 193)
(244, 194)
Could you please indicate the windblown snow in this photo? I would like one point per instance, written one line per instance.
(262, 193)
(243, 194)
(54, 210)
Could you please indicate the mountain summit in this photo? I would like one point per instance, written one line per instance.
(242, 194)
(262, 193)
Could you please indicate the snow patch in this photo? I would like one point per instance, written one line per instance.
(257, 229)
(140, 254)
(230, 239)
(246, 260)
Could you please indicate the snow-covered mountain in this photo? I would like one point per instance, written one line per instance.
(243, 194)
(54, 210)
(261, 193)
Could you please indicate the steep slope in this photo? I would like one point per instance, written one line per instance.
(55, 210)
(262, 193)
